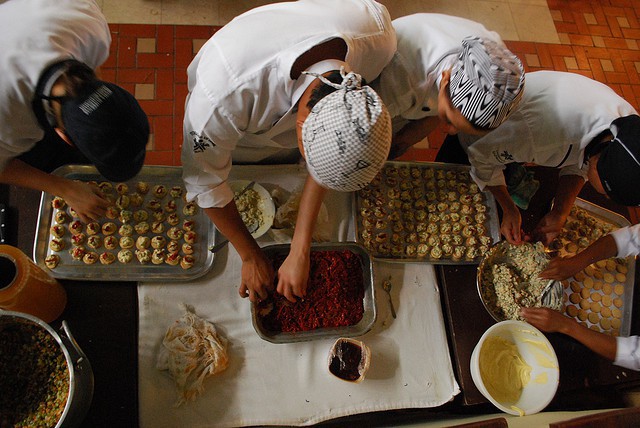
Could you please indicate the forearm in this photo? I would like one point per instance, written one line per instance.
(310, 202)
(228, 221)
(568, 188)
(503, 198)
(20, 174)
(602, 344)
(604, 248)
(412, 133)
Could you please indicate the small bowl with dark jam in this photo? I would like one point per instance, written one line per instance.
(349, 359)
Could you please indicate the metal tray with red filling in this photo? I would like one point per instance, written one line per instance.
(339, 302)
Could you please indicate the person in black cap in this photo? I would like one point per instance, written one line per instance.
(56, 111)
(566, 121)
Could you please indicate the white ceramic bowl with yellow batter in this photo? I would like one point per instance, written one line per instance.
(515, 367)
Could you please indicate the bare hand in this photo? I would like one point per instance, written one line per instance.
(293, 276)
(549, 227)
(257, 277)
(561, 268)
(86, 199)
(545, 319)
(511, 226)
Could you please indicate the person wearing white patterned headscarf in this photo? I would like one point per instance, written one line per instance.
(447, 70)
(347, 135)
(249, 99)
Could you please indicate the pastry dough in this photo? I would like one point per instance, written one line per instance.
(192, 350)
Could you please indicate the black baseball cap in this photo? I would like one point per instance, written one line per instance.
(106, 123)
(619, 162)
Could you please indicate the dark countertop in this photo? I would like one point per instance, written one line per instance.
(103, 317)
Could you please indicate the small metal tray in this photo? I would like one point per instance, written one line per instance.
(394, 215)
(369, 301)
(598, 286)
(133, 271)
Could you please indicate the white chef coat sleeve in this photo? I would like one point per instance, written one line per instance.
(483, 171)
(97, 52)
(627, 240)
(210, 136)
(628, 352)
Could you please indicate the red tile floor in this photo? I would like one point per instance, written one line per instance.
(599, 38)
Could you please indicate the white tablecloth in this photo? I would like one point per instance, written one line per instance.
(289, 384)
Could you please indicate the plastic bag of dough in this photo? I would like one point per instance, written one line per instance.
(192, 350)
(287, 213)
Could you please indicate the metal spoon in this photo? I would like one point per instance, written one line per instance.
(386, 286)
(551, 296)
(244, 189)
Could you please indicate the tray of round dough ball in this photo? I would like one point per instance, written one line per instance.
(168, 237)
(425, 212)
(600, 296)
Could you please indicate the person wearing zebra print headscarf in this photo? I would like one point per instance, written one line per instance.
(447, 70)
(567, 121)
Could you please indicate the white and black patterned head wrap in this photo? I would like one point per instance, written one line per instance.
(347, 135)
(487, 82)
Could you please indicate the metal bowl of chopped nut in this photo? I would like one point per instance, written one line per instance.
(508, 279)
(50, 378)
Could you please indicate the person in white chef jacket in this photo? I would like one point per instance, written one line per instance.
(53, 108)
(447, 70)
(566, 121)
(248, 91)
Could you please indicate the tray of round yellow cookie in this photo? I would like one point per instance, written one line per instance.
(149, 233)
(599, 297)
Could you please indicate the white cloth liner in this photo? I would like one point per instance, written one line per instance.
(289, 384)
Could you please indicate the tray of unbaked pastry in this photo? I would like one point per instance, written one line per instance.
(425, 212)
(150, 232)
(600, 296)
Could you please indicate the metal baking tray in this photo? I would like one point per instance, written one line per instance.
(133, 271)
(363, 326)
(387, 191)
(590, 277)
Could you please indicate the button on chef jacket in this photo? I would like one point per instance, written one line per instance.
(428, 44)
(241, 96)
(559, 114)
(33, 35)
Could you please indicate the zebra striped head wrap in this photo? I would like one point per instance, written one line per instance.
(487, 82)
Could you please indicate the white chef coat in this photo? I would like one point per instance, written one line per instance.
(628, 349)
(241, 96)
(628, 352)
(627, 240)
(560, 113)
(33, 35)
(428, 44)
